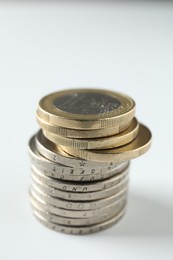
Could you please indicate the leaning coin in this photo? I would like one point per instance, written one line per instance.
(136, 148)
(100, 143)
(78, 186)
(86, 109)
(78, 221)
(76, 205)
(82, 134)
(35, 200)
(52, 152)
(80, 230)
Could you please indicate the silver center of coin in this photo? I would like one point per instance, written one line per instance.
(87, 103)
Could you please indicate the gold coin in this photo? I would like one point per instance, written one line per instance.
(86, 109)
(101, 143)
(136, 148)
(82, 134)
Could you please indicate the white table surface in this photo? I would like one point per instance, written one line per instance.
(126, 46)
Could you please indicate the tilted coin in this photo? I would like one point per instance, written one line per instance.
(86, 108)
(80, 230)
(100, 143)
(82, 134)
(79, 221)
(54, 153)
(78, 186)
(136, 148)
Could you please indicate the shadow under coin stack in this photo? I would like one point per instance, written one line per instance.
(80, 159)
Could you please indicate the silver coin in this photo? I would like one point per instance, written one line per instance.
(68, 173)
(61, 171)
(80, 230)
(52, 152)
(78, 221)
(56, 174)
(35, 200)
(76, 205)
(82, 197)
(78, 186)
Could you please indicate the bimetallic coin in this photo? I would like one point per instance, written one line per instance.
(82, 229)
(100, 143)
(78, 186)
(82, 134)
(79, 221)
(136, 148)
(86, 109)
(68, 213)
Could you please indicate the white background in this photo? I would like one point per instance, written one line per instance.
(126, 46)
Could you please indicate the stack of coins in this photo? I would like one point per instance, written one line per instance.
(80, 159)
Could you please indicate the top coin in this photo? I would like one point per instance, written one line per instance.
(86, 108)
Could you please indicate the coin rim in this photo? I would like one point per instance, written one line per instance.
(48, 112)
(118, 154)
(113, 141)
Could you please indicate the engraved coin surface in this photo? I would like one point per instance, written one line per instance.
(78, 186)
(113, 109)
(87, 103)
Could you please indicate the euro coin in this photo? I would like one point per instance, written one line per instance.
(86, 108)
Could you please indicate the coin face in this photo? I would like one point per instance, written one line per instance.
(87, 103)
(86, 109)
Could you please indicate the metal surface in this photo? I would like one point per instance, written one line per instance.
(54, 153)
(136, 148)
(76, 205)
(75, 213)
(82, 134)
(80, 159)
(79, 221)
(87, 196)
(80, 186)
(82, 229)
(100, 143)
(118, 114)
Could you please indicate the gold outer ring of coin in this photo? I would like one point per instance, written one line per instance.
(82, 134)
(101, 143)
(136, 148)
(51, 114)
